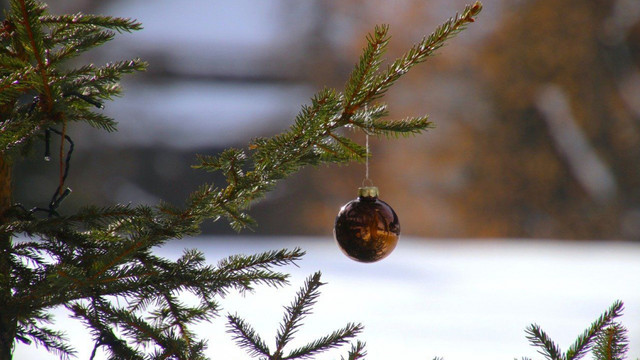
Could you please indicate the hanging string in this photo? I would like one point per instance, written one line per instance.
(366, 181)
(366, 173)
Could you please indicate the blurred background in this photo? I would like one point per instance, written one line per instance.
(537, 108)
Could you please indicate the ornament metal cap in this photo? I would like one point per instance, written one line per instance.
(368, 191)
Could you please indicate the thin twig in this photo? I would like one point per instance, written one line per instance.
(48, 101)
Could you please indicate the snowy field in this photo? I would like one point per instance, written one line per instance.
(451, 298)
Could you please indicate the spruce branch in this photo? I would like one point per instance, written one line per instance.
(421, 51)
(34, 45)
(364, 73)
(247, 338)
(314, 137)
(32, 36)
(246, 271)
(51, 340)
(298, 310)
(596, 333)
(81, 40)
(405, 127)
(95, 120)
(262, 260)
(108, 22)
(333, 340)
(13, 84)
(584, 342)
(537, 337)
(102, 332)
(33, 330)
(611, 343)
(356, 352)
(143, 333)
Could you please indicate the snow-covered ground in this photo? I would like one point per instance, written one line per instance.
(459, 299)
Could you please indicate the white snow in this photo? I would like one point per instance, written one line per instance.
(459, 299)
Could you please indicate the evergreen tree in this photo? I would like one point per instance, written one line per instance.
(98, 262)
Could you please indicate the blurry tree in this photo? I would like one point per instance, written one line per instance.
(561, 157)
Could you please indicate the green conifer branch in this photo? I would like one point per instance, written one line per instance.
(15, 83)
(584, 342)
(95, 120)
(32, 37)
(421, 51)
(596, 333)
(246, 337)
(143, 333)
(109, 22)
(611, 343)
(34, 43)
(363, 75)
(297, 311)
(356, 352)
(537, 337)
(179, 278)
(101, 330)
(313, 138)
(81, 40)
(405, 127)
(51, 340)
(348, 146)
(333, 340)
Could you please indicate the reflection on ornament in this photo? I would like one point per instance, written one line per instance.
(367, 229)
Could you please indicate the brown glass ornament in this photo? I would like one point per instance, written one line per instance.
(367, 229)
